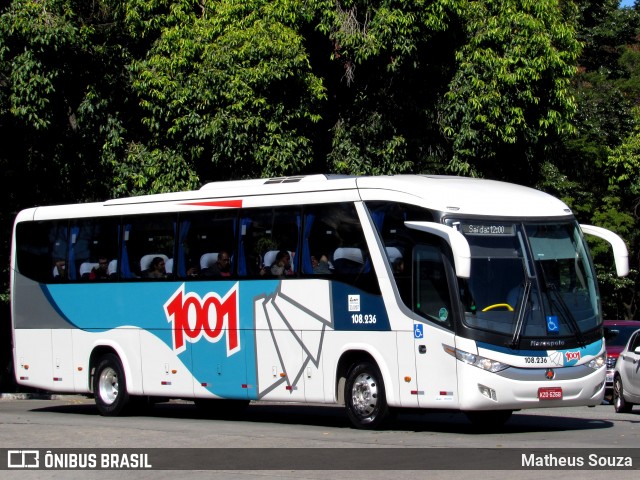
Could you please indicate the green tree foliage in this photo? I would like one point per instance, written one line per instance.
(603, 29)
(449, 85)
(384, 76)
(595, 169)
(511, 84)
(45, 57)
(619, 212)
(183, 90)
(229, 87)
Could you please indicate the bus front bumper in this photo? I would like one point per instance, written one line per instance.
(520, 388)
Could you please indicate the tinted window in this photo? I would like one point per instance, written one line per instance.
(147, 241)
(399, 241)
(333, 234)
(42, 250)
(263, 233)
(93, 248)
(431, 291)
(621, 334)
(203, 236)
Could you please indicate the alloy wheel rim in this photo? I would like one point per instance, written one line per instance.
(365, 394)
(108, 385)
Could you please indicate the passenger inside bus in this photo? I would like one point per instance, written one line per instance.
(100, 271)
(59, 270)
(398, 266)
(221, 267)
(320, 265)
(191, 269)
(156, 269)
(349, 260)
(281, 267)
(84, 271)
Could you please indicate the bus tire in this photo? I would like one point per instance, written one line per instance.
(365, 397)
(110, 386)
(619, 403)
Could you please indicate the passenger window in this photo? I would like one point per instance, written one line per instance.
(267, 234)
(398, 240)
(147, 247)
(431, 290)
(334, 232)
(43, 250)
(320, 239)
(207, 245)
(93, 246)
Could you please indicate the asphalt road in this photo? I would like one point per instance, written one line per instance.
(72, 422)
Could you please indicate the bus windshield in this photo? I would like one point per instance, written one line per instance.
(529, 280)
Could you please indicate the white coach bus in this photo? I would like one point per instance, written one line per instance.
(408, 291)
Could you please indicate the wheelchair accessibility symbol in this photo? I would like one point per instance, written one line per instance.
(418, 331)
(552, 324)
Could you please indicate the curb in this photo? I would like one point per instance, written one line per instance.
(33, 396)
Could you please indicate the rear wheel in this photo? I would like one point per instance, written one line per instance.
(365, 397)
(619, 403)
(110, 386)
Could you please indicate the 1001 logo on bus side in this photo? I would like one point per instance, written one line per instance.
(210, 317)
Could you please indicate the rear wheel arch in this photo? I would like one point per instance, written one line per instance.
(130, 366)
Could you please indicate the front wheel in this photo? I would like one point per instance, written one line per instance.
(110, 386)
(365, 397)
(619, 403)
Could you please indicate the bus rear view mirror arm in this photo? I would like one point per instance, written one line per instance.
(455, 239)
(620, 252)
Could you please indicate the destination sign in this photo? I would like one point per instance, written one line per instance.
(487, 229)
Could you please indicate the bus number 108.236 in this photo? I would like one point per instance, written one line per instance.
(364, 319)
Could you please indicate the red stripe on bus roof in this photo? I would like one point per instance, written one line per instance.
(217, 203)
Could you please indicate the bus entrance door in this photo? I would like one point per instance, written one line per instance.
(435, 368)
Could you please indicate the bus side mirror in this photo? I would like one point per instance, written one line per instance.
(457, 242)
(620, 252)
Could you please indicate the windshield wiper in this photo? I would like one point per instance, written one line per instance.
(564, 310)
(517, 332)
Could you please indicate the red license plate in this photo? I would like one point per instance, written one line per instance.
(550, 393)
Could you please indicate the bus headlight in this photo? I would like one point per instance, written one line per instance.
(598, 362)
(476, 360)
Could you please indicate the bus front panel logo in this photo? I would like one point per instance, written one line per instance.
(570, 356)
(210, 317)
